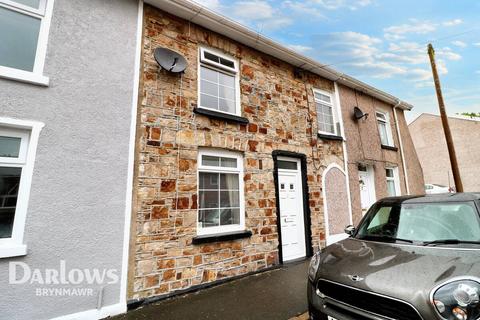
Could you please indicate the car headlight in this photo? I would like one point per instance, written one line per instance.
(457, 300)
(312, 268)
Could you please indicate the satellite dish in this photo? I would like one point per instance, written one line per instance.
(170, 60)
(358, 113)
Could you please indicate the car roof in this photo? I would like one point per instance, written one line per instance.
(433, 198)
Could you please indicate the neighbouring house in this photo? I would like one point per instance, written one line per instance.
(429, 139)
(252, 156)
(67, 71)
(381, 157)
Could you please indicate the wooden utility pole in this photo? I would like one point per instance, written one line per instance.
(446, 126)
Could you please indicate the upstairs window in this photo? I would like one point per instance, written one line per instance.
(326, 117)
(24, 28)
(384, 128)
(219, 88)
(220, 192)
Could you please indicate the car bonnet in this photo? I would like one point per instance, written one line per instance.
(405, 272)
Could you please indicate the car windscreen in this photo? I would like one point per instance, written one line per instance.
(422, 223)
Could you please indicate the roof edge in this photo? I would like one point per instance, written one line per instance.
(450, 117)
(206, 18)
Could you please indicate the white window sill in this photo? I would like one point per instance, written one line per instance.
(214, 231)
(23, 76)
(226, 236)
(12, 250)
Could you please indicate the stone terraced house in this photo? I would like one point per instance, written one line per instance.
(253, 156)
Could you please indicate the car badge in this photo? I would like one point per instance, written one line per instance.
(355, 278)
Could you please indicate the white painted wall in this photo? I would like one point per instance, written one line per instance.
(77, 201)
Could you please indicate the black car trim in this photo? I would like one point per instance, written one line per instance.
(415, 245)
(369, 292)
(361, 312)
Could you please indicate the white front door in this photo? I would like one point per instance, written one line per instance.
(291, 209)
(367, 187)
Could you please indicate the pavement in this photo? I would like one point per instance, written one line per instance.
(301, 317)
(272, 295)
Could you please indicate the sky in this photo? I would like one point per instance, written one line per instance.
(382, 43)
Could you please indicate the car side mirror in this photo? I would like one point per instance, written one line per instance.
(350, 230)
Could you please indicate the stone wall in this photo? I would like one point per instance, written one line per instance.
(281, 114)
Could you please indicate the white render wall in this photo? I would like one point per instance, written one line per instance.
(77, 202)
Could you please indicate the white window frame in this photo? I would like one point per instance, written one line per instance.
(44, 13)
(29, 132)
(333, 104)
(395, 179)
(222, 69)
(388, 126)
(239, 170)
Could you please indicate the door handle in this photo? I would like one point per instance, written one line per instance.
(289, 220)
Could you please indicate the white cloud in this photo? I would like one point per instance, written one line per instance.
(258, 14)
(441, 67)
(451, 23)
(407, 52)
(456, 100)
(299, 48)
(421, 74)
(366, 56)
(448, 54)
(275, 23)
(393, 56)
(393, 37)
(358, 52)
(303, 9)
(413, 57)
(459, 43)
(415, 27)
(340, 4)
(476, 44)
(477, 72)
(211, 4)
(423, 77)
(379, 69)
(352, 36)
(317, 8)
(253, 10)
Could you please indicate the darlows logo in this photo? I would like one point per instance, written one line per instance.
(21, 273)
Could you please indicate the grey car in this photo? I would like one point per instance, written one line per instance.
(410, 258)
